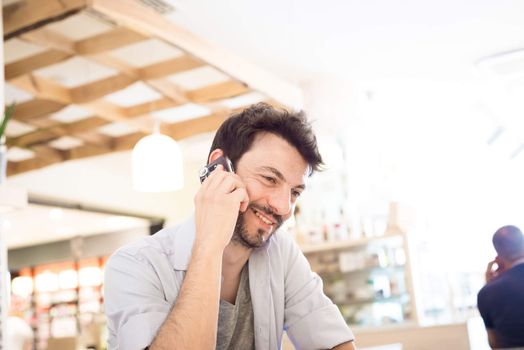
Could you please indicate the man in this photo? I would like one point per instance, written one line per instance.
(226, 279)
(501, 300)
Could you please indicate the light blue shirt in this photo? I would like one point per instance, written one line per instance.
(142, 281)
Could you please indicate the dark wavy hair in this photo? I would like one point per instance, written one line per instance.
(235, 136)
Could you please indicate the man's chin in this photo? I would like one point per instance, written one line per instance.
(251, 241)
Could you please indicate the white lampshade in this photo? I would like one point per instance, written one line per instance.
(157, 164)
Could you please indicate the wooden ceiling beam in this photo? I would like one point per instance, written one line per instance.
(84, 151)
(30, 14)
(149, 107)
(44, 122)
(106, 110)
(44, 156)
(95, 138)
(45, 89)
(84, 125)
(50, 39)
(218, 91)
(151, 74)
(41, 60)
(162, 86)
(193, 127)
(107, 60)
(42, 88)
(55, 129)
(48, 154)
(108, 41)
(100, 88)
(37, 136)
(172, 66)
(134, 15)
(168, 89)
(126, 142)
(33, 109)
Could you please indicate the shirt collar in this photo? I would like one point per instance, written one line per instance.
(183, 238)
(517, 262)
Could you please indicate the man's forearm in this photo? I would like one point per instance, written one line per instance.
(192, 323)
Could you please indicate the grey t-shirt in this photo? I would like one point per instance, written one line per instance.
(236, 322)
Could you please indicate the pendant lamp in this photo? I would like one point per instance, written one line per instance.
(157, 164)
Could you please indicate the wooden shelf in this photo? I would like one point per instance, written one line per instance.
(392, 298)
(389, 269)
(340, 245)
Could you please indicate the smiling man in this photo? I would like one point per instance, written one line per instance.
(227, 278)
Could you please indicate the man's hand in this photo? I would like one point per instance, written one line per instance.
(491, 272)
(217, 203)
(192, 323)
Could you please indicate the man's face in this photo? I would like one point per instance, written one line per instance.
(275, 175)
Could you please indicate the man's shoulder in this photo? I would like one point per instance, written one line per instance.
(154, 241)
(173, 244)
(143, 248)
(497, 284)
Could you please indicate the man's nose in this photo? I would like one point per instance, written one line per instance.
(280, 201)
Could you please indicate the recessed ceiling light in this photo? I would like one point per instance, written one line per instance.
(56, 214)
(6, 224)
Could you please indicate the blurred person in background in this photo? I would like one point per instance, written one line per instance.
(19, 335)
(501, 300)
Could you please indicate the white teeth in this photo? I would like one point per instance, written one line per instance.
(263, 218)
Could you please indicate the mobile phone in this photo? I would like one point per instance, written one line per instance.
(207, 169)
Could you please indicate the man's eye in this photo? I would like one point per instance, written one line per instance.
(296, 194)
(270, 179)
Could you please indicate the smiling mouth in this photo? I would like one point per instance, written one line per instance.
(262, 217)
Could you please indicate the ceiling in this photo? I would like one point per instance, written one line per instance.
(83, 86)
(300, 40)
(63, 224)
(408, 70)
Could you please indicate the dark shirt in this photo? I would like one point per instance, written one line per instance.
(501, 305)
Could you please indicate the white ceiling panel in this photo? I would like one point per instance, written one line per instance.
(134, 94)
(75, 71)
(181, 113)
(147, 52)
(17, 154)
(243, 100)
(16, 49)
(13, 94)
(16, 128)
(81, 26)
(117, 129)
(70, 114)
(66, 142)
(198, 78)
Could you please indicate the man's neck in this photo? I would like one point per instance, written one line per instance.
(233, 260)
(235, 256)
(517, 262)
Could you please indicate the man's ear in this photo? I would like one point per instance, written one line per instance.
(214, 155)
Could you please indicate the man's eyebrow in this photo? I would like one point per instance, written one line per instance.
(280, 176)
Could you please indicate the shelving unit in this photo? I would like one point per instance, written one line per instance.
(368, 278)
(11, 198)
(64, 300)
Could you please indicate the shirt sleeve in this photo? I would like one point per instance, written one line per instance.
(135, 305)
(311, 320)
(481, 304)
